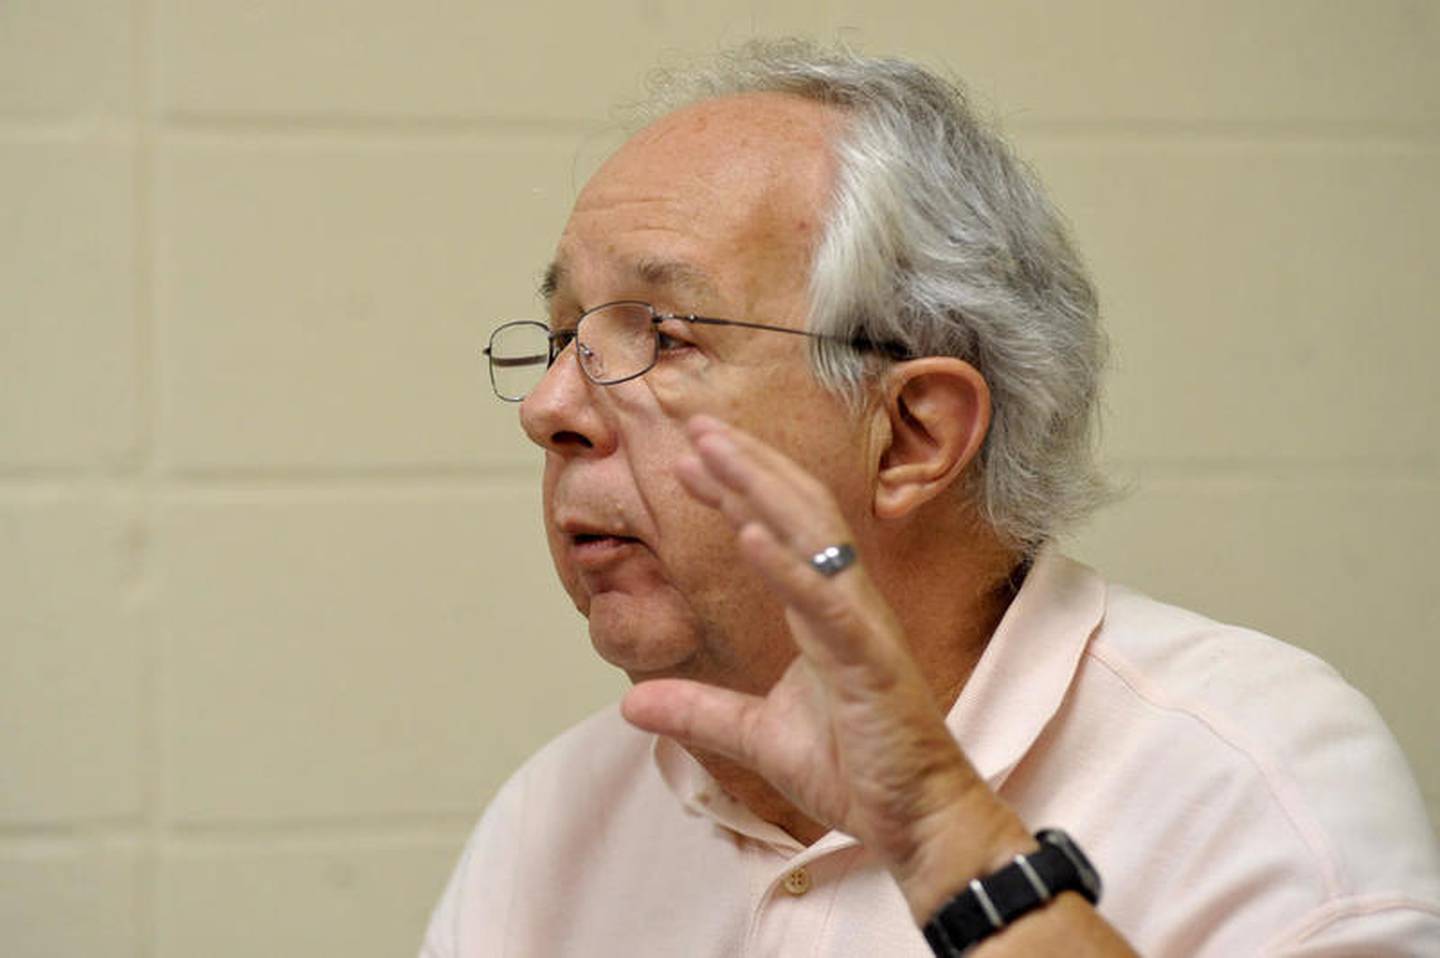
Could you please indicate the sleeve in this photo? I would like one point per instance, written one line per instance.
(471, 918)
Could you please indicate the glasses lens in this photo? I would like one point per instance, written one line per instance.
(519, 356)
(616, 342)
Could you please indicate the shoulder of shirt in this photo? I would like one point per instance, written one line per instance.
(599, 749)
(552, 798)
(1177, 654)
(603, 729)
(1281, 718)
(1254, 691)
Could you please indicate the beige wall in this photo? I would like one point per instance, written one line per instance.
(274, 614)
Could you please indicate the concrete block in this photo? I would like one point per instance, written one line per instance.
(1342, 567)
(356, 898)
(1267, 301)
(549, 59)
(68, 353)
(359, 655)
(71, 686)
(368, 279)
(63, 898)
(1131, 61)
(64, 58)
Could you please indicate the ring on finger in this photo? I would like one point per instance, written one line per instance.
(833, 560)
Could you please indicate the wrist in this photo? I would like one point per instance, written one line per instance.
(968, 837)
(1029, 885)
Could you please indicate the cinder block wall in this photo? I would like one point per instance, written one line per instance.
(275, 617)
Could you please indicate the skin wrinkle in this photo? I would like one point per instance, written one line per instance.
(649, 272)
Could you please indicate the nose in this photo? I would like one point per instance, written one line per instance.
(561, 415)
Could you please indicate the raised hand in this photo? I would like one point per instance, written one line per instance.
(851, 733)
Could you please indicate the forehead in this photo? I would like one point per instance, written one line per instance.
(723, 198)
(673, 275)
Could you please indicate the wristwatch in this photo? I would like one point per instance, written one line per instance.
(1029, 882)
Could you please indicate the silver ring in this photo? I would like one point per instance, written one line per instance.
(834, 560)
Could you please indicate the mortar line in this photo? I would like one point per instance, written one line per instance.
(386, 484)
(152, 762)
(86, 129)
(1333, 133)
(1312, 472)
(339, 830)
(155, 485)
(400, 479)
(397, 826)
(194, 125)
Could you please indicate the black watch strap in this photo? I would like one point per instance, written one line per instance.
(1029, 882)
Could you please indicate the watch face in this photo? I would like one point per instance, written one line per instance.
(1089, 877)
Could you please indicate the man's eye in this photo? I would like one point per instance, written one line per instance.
(672, 339)
(562, 338)
(668, 342)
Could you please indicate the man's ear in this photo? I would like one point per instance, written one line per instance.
(938, 409)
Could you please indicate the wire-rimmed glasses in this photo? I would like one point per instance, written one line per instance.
(614, 342)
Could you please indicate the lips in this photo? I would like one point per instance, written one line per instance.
(592, 553)
(592, 546)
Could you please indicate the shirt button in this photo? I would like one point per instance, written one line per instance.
(797, 882)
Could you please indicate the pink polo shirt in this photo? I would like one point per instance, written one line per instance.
(1236, 795)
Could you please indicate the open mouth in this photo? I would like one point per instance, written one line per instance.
(595, 551)
(588, 538)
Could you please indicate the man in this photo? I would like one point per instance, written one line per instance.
(815, 393)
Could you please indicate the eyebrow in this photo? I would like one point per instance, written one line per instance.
(551, 281)
(662, 274)
(672, 274)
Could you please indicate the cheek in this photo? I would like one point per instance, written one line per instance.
(676, 397)
(569, 578)
(729, 388)
(651, 456)
(687, 535)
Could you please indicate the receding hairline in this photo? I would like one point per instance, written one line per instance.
(660, 272)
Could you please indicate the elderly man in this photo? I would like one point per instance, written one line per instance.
(815, 394)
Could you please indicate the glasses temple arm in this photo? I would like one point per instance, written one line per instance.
(886, 347)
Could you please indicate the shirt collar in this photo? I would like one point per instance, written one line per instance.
(1017, 687)
(701, 795)
(1022, 677)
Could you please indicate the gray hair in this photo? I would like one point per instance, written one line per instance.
(940, 238)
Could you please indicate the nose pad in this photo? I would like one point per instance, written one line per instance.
(591, 364)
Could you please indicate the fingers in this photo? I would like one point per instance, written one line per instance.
(699, 483)
(753, 481)
(782, 516)
(702, 716)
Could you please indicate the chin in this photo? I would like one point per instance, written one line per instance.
(640, 639)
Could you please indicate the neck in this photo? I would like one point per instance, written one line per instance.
(760, 797)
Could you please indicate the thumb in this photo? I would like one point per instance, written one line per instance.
(703, 716)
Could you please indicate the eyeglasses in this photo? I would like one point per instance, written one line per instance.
(614, 343)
